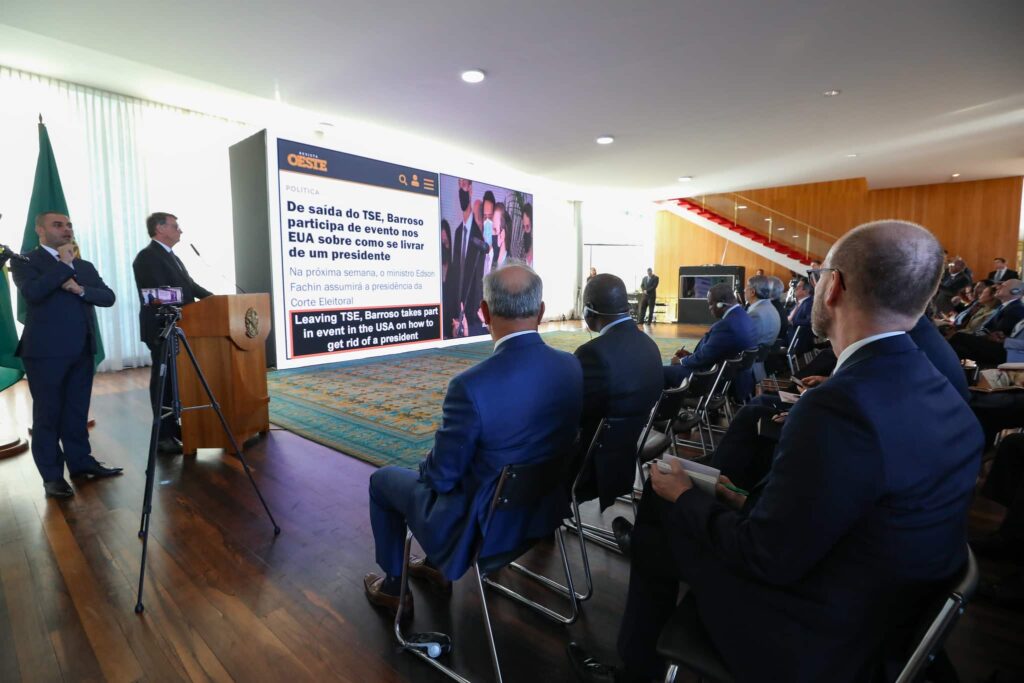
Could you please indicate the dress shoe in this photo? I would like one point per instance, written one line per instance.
(169, 446)
(998, 546)
(97, 470)
(622, 528)
(372, 585)
(57, 489)
(586, 668)
(419, 568)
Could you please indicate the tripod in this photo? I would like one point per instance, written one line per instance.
(171, 339)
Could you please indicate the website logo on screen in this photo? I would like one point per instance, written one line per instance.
(303, 160)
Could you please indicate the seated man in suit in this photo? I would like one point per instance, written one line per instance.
(733, 334)
(863, 519)
(622, 374)
(765, 316)
(986, 345)
(520, 405)
(800, 317)
(57, 348)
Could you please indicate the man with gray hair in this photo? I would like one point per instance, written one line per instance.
(862, 522)
(520, 405)
(766, 318)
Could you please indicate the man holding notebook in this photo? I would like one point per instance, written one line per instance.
(863, 518)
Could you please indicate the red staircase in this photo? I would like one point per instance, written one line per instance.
(760, 238)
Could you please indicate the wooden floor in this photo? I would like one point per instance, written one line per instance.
(226, 600)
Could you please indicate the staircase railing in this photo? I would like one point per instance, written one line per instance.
(778, 227)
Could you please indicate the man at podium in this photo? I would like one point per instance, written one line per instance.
(158, 266)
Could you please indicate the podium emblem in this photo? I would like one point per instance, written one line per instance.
(252, 323)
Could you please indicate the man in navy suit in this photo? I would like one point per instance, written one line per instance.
(57, 347)
(800, 317)
(733, 334)
(466, 271)
(987, 346)
(520, 405)
(622, 374)
(863, 519)
(158, 266)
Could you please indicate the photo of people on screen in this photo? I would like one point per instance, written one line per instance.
(482, 227)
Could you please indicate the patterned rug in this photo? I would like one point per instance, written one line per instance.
(385, 410)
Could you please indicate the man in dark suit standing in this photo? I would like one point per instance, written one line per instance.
(1001, 272)
(158, 266)
(862, 521)
(622, 374)
(466, 271)
(800, 317)
(57, 348)
(520, 405)
(649, 287)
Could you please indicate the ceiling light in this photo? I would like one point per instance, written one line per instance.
(685, 178)
(741, 207)
(767, 220)
(955, 175)
(779, 229)
(831, 93)
(851, 156)
(605, 140)
(473, 76)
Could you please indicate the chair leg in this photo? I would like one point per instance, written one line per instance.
(450, 673)
(487, 622)
(567, 590)
(670, 675)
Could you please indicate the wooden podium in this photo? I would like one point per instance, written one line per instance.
(228, 335)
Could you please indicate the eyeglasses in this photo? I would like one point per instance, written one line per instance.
(815, 275)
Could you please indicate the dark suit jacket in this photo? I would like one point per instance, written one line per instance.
(154, 266)
(727, 338)
(1008, 275)
(783, 319)
(650, 285)
(58, 323)
(927, 338)
(802, 322)
(522, 404)
(1006, 318)
(467, 277)
(862, 520)
(622, 377)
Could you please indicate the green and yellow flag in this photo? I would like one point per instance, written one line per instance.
(11, 369)
(47, 195)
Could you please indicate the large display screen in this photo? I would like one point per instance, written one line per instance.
(370, 255)
(697, 286)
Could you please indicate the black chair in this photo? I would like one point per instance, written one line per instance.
(694, 392)
(519, 486)
(684, 643)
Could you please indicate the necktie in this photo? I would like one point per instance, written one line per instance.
(177, 262)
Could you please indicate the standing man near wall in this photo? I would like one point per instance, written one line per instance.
(649, 285)
(158, 266)
(57, 347)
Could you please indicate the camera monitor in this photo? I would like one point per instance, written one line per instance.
(162, 296)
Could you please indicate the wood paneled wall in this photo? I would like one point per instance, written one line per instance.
(679, 242)
(977, 220)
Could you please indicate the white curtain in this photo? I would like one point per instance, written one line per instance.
(120, 159)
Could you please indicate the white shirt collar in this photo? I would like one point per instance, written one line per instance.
(509, 336)
(613, 324)
(730, 310)
(166, 248)
(857, 345)
(53, 252)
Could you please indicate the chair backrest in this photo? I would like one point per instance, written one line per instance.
(698, 385)
(612, 456)
(936, 627)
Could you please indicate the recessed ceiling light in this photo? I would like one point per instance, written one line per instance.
(779, 229)
(741, 207)
(831, 93)
(851, 156)
(473, 76)
(605, 140)
(955, 175)
(685, 178)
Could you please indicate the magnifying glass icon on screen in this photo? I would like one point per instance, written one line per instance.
(402, 179)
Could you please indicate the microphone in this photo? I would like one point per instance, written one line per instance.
(7, 252)
(240, 290)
